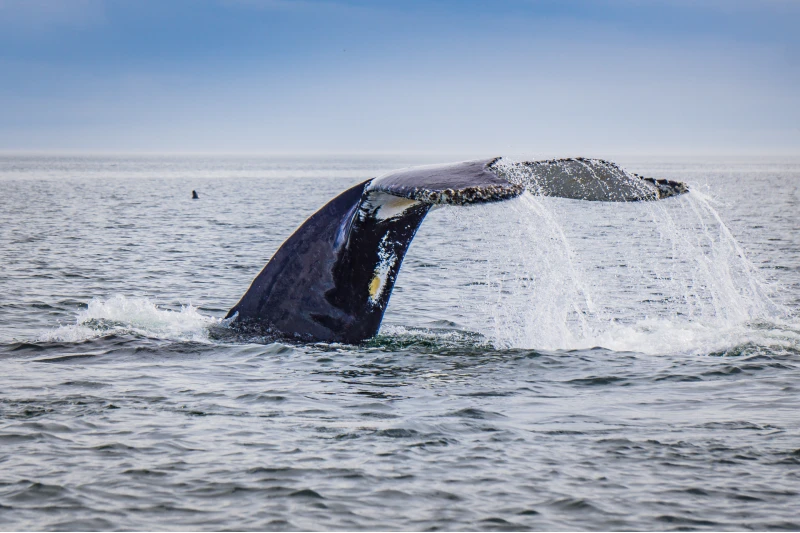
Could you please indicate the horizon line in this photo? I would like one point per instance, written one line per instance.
(545, 154)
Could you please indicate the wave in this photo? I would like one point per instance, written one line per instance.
(663, 336)
(134, 315)
(141, 316)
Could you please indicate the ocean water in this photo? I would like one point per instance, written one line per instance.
(543, 364)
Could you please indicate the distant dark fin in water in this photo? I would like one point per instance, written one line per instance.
(194, 195)
(332, 279)
(587, 179)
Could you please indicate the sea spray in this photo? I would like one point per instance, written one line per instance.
(653, 277)
(140, 316)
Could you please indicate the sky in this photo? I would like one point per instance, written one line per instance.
(561, 77)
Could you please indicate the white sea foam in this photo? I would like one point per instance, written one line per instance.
(141, 316)
(660, 336)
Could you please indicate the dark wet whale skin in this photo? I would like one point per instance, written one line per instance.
(315, 288)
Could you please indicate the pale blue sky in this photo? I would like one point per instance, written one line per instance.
(543, 77)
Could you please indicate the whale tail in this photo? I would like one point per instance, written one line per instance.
(332, 279)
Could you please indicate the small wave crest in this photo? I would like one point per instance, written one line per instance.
(396, 336)
(654, 336)
(133, 315)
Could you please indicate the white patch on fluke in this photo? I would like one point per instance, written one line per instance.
(394, 206)
(386, 262)
(385, 206)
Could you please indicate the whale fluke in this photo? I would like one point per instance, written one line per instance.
(587, 179)
(332, 279)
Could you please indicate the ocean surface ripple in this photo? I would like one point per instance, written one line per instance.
(543, 364)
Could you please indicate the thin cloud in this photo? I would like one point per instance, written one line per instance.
(286, 5)
(36, 16)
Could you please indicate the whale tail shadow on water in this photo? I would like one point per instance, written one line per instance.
(332, 279)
